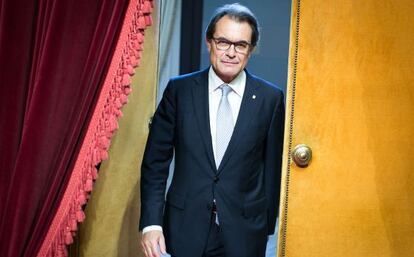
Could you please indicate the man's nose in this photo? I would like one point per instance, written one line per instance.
(231, 52)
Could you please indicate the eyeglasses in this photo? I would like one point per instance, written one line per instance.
(242, 47)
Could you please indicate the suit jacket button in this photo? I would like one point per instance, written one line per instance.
(216, 179)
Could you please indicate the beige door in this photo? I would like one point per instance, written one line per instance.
(351, 100)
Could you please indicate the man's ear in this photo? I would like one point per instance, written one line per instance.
(252, 49)
(208, 43)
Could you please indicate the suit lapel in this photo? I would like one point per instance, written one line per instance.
(201, 107)
(248, 109)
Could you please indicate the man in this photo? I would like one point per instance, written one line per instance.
(225, 127)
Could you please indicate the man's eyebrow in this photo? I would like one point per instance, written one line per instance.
(237, 42)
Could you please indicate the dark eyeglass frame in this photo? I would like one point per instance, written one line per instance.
(224, 44)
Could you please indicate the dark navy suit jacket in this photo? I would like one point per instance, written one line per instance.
(246, 185)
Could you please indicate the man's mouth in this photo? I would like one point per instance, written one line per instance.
(229, 63)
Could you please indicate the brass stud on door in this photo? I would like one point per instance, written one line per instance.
(302, 155)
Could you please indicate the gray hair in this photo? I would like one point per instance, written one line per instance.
(237, 12)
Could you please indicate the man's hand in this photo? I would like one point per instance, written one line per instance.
(152, 241)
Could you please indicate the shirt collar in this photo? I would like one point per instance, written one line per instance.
(237, 84)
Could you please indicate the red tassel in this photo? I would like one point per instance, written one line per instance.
(113, 124)
(95, 157)
(134, 63)
(73, 225)
(94, 173)
(130, 70)
(107, 143)
(140, 37)
(80, 216)
(109, 133)
(68, 238)
(104, 155)
(148, 20)
(124, 99)
(81, 198)
(141, 22)
(146, 8)
(88, 185)
(126, 79)
(64, 252)
(127, 90)
(118, 79)
(136, 42)
(104, 142)
(137, 53)
(118, 103)
(133, 39)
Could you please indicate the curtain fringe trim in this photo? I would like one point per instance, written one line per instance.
(104, 122)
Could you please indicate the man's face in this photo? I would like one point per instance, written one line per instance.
(229, 63)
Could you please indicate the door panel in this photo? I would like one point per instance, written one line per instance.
(351, 99)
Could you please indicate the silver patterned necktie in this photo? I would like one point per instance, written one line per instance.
(224, 125)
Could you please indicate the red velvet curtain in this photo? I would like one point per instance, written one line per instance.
(54, 55)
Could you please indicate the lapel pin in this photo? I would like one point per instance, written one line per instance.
(253, 96)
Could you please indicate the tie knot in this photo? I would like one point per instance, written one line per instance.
(225, 90)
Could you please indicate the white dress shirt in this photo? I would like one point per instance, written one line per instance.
(214, 95)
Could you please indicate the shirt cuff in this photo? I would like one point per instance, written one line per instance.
(151, 228)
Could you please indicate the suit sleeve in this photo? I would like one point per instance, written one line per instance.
(157, 158)
(273, 162)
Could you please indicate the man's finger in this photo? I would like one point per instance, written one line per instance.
(162, 245)
(144, 248)
(148, 249)
(154, 249)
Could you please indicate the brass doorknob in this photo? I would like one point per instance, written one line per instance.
(301, 155)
